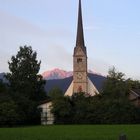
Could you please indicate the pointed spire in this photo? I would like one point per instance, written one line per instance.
(80, 33)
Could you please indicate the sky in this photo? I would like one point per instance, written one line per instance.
(111, 30)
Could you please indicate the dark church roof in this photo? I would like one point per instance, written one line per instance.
(136, 92)
(63, 84)
(80, 33)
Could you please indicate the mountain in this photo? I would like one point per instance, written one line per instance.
(60, 74)
(62, 79)
(2, 76)
(56, 74)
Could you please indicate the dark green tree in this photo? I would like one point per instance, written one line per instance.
(3, 90)
(8, 113)
(80, 107)
(25, 84)
(134, 84)
(116, 86)
(117, 107)
(2, 86)
(62, 108)
(55, 93)
(23, 76)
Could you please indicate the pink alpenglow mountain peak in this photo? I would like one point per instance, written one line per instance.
(60, 74)
(56, 74)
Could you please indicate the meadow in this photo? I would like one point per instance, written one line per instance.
(71, 132)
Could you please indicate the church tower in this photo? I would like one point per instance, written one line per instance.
(80, 80)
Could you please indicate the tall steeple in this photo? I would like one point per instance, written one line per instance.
(80, 32)
(81, 82)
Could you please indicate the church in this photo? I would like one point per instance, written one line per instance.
(81, 82)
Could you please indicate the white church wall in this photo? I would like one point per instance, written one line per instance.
(92, 90)
(46, 116)
(69, 91)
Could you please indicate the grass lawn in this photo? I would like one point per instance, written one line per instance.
(71, 132)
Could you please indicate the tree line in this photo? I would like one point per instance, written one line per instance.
(21, 95)
(111, 106)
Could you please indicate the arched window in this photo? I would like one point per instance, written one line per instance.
(79, 60)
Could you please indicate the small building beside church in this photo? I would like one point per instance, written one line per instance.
(47, 118)
(134, 97)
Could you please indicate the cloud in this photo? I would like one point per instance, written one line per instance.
(58, 57)
(98, 66)
(15, 32)
(13, 25)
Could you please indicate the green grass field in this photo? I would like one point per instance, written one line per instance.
(71, 132)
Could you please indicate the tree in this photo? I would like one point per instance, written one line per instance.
(134, 84)
(62, 108)
(8, 113)
(116, 105)
(2, 86)
(55, 93)
(23, 76)
(115, 86)
(25, 84)
(80, 106)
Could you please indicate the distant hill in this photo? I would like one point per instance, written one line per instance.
(62, 79)
(2, 77)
